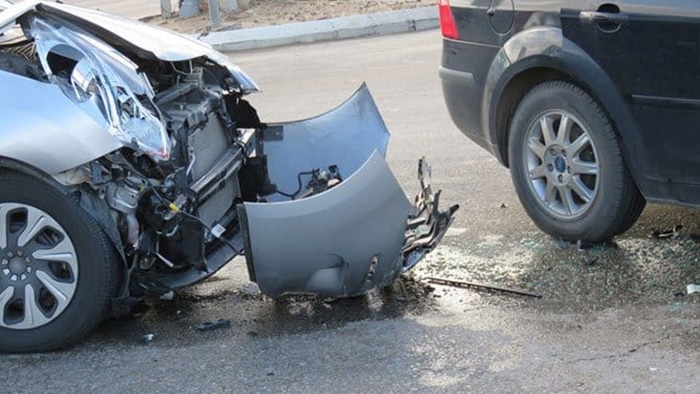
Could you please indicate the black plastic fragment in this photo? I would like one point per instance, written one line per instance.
(209, 326)
(464, 284)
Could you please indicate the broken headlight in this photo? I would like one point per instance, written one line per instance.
(129, 121)
(104, 83)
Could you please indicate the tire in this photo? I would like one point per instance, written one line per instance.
(58, 270)
(574, 184)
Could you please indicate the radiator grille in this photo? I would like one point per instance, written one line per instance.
(209, 144)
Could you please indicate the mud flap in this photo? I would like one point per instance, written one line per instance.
(345, 241)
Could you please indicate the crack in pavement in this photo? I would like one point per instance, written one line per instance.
(620, 355)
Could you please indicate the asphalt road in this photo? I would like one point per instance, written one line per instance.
(613, 318)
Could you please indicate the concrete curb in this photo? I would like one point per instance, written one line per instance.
(383, 23)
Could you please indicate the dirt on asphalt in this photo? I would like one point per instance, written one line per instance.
(276, 12)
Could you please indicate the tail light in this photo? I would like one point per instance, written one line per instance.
(448, 27)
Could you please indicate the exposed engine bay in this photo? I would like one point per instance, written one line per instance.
(171, 211)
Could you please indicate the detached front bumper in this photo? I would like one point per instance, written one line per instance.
(362, 233)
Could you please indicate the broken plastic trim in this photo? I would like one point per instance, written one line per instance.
(245, 82)
(426, 224)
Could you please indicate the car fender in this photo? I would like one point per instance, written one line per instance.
(546, 47)
(54, 139)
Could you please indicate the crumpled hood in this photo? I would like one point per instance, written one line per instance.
(146, 40)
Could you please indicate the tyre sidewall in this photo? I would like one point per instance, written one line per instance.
(96, 273)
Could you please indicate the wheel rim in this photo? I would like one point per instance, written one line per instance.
(38, 267)
(562, 164)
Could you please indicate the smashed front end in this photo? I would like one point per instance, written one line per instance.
(196, 178)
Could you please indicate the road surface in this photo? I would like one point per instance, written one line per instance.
(613, 318)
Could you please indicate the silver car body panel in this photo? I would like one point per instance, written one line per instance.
(345, 136)
(41, 138)
(346, 240)
(162, 44)
(342, 242)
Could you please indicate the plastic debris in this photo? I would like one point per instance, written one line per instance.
(148, 338)
(673, 233)
(211, 326)
(693, 288)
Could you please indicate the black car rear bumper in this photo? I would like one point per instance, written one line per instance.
(464, 72)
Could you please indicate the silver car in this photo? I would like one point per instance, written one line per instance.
(132, 165)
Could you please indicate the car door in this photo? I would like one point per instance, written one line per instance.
(651, 51)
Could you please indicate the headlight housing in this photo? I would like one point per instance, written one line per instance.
(106, 85)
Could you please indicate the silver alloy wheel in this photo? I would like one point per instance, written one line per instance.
(38, 267)
(562, 164)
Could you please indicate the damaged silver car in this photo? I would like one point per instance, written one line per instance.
(131, 164)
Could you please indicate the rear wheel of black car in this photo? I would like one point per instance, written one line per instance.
(58, 270)
(567, 165)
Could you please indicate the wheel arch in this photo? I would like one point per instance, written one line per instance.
(14, 165)
(554, 58)
(93, 206)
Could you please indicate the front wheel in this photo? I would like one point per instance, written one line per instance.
(567, 165)
(58, 270)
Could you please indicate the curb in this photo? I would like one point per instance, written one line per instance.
(383, 23)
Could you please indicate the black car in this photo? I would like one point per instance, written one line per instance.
(594, 106)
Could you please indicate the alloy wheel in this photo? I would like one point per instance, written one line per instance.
(38, 267)
(562, 164)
